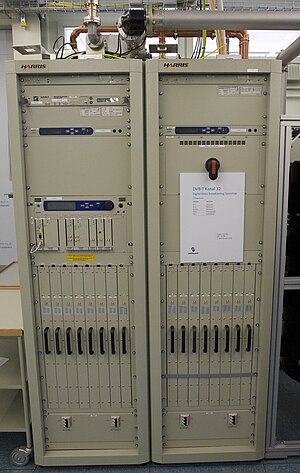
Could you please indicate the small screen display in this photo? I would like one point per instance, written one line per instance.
(107, 99)
(53, 131)
(187, 129)
(59, 205)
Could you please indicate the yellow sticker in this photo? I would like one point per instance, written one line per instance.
(80, 258)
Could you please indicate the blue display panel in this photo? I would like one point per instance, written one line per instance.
(55, 131)
(78, 205)
(201, 130)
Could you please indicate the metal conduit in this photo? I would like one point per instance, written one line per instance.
(290, 53)
(159, 20)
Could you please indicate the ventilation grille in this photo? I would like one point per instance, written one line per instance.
(213, 143)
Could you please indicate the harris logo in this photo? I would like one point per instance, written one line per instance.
(170, 65)
(33, 66)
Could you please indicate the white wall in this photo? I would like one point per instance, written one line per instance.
(7, 225)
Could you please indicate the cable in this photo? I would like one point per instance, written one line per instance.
(61, 49)
(134, 49)
(220, 46)
(56, 41)
(111, 56)
(72, 56)
(36, 247)
(204, 35)
(212, 52)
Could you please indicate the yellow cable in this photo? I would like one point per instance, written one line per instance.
(212, 52)
(218, 32)
(72, 55)
(204, 35)
(112, 56)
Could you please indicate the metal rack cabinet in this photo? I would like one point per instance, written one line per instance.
(210, 320)
(76, 142)
(283, 448)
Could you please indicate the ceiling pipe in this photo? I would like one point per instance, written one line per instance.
(159, 20)
(290, 53)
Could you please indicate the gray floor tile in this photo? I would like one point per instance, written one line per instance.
(283, 468)
(11, 440)
(18, 470)
(252, 467)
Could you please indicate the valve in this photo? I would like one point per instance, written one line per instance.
(212, 165)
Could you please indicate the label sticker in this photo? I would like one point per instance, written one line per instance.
(226, 91)
(80, 258)
(251, 90)
(112, 111)
(90, 112)
(60, 99)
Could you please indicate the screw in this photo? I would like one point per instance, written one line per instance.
(129, 144)
(263, 143)
(129, 187)
(25, 145)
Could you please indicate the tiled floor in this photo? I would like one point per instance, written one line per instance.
(9, 441)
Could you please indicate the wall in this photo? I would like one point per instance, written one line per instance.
(7, 226)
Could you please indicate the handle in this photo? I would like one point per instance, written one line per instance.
(238, 338)
(46, 341)
(194, 332)
(172, 339)
(182, 339)
(113, 341)
(91, 340)
(57, 341)
(69, 340)
(124, 349)
(216, 347)
(212, 165)
(79, 341)
(249, 337)
(205, 331)
(226, 338)
(101, 336)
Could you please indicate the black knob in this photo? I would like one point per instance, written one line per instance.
(109, 205)
(212, 165)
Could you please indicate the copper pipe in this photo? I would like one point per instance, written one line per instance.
(161, 42)
(113, 29)
(243, 37)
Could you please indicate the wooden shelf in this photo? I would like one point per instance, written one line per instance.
(11, 411)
